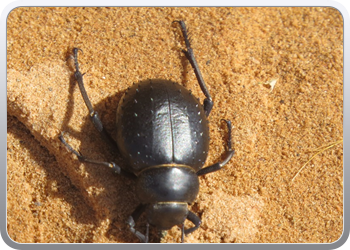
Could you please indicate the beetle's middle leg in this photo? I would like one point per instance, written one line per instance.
(116, 169)
(228, 155)
(93, 114)
(208, 102)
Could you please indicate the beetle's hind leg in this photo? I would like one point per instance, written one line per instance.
(228, 155)
(93, 114)
(208, 102)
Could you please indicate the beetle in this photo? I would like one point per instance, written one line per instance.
(163, 135)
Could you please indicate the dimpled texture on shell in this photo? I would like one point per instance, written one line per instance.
(161, 122)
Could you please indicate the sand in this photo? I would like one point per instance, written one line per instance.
(276, 73)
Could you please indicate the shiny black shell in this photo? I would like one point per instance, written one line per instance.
(161, 122)
(167, 184)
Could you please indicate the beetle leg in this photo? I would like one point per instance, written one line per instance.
(195, 220)
(93, 114)
(131, 222)
(228, 155)
(182, 232)
(112, 165)
(208, 102)
(147, 232)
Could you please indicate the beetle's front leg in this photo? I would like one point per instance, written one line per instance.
(195, 220)
(131, 222)
(93, 114)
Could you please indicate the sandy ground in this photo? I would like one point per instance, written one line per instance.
(276, 73)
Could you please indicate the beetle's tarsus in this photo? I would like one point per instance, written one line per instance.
(228, 154)
(208, 102)
(93, 114)
(229, 141)
(75, 51)
(131, 222)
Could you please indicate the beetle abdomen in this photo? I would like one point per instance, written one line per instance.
(160, 122)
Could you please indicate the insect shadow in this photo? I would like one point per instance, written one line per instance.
(111, 196)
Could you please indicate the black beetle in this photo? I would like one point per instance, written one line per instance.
(163, 134)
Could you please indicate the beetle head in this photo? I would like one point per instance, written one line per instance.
(165, 215)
